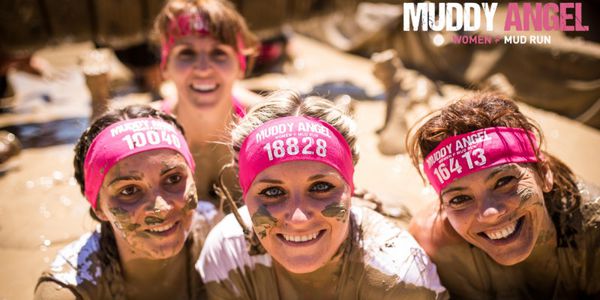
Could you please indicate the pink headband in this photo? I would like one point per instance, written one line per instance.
(124, 139)
(461, 155)
(190, 23)
(290, 139)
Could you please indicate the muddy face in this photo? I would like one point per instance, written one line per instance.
(336, 210)
(300, 211)
(263, 221)
(149, 200)
(500, 210)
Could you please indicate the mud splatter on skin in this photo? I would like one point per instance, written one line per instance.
(263, 221)
(336, 210)
(525, 195)
(123, 222)
(151, 220)
(545, 237)
(191, 199)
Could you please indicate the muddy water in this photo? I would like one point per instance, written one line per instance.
(51, 133)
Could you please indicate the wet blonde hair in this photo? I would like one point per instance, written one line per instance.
(287, 103)
(224, 23)
(281, 104)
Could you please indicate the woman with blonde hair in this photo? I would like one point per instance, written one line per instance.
(295, 158)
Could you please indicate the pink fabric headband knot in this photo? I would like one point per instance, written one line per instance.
(193, 23)
(464, 154)
(291, 139)
(126, 138)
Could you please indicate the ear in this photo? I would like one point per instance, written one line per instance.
(99, 212)
(547, 177)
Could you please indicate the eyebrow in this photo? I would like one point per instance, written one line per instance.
(459, 188)
(499, 169)
(169, 168)
(267, 180)
(315, 177)
(120, 178)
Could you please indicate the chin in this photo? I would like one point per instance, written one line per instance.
(302, 266)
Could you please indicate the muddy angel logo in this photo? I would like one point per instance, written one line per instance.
(523, 23)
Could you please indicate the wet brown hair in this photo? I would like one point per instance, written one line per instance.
(224, 23)
(483, 110)
(108, 253)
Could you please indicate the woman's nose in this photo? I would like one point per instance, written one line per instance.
(161, 205)
(299, 216)
(491, 210)
(202, 63)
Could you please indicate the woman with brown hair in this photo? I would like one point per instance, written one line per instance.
(135, 169)
(206, 48)
(513, 221)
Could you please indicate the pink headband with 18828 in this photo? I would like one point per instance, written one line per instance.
(126, 138)
(290, 139)
(464, 154)
(193, 23)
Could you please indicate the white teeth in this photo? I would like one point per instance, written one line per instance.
(161, 228)
(300, 238)
(204, 87)
(501, 233)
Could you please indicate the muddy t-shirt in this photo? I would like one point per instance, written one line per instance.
(79, 266)
(382, 262)
(568, 273)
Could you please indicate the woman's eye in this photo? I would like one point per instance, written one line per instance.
(129, 190)
(504, 181)
(272, 192)
(219, 54)
(186, 54)
(321, 187)
(174, 179)
(459, 201)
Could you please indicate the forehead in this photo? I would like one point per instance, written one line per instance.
(147, 162)
(301, 170)
(197, 41)
(484, 175)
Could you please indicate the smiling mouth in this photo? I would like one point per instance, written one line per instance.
(163, 230)
(506, 233)
(301, 239)
(204, 88)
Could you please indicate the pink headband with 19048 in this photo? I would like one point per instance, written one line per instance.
(126, 138)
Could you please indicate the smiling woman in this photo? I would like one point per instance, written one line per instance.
(206, 48)
(513, 220)
(296, 161)
(136, 171)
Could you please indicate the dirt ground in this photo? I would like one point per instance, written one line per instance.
(41, 208)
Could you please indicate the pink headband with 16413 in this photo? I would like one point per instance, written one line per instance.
(464, 154)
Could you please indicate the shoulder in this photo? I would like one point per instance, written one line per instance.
(590, 205)
(225, 250)
(52, 290)
(432, 230)
(392, 251)
(78, 261)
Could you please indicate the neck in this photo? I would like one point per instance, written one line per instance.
(319, 284)
(155, 279)
(204, 125)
